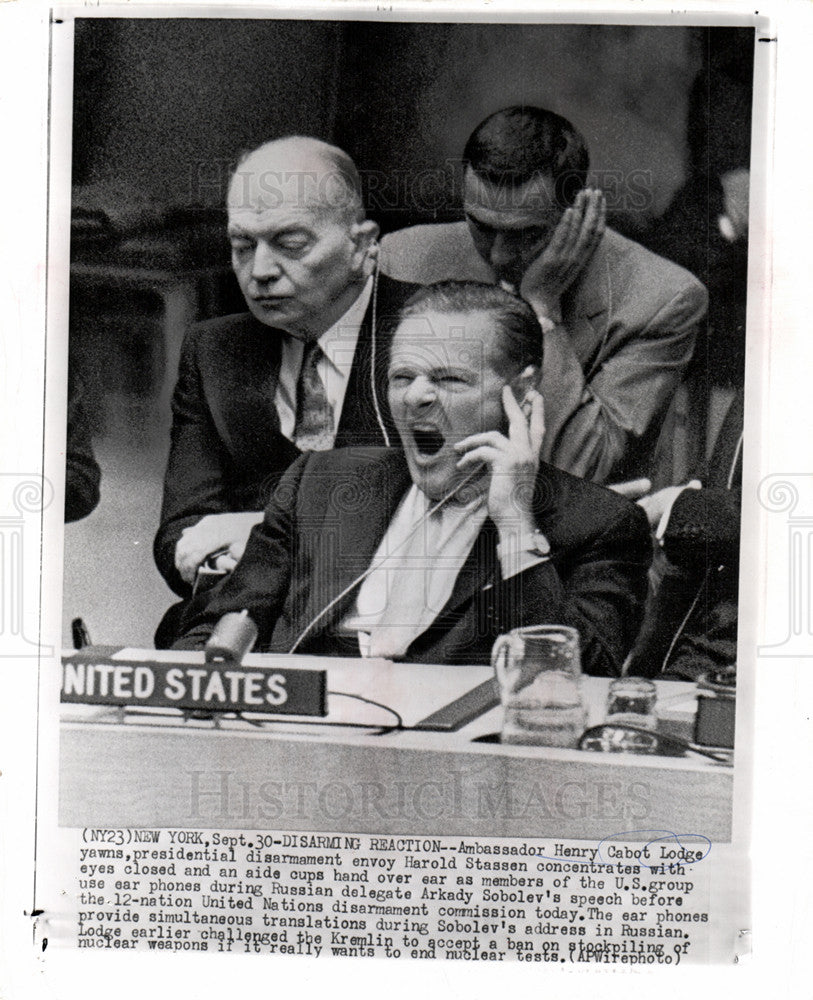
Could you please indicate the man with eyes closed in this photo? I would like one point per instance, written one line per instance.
(619, 322)
(428, 552)
(303, 370)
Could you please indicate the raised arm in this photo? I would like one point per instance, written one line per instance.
(599, 421)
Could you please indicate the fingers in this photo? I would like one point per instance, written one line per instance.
(195, 544)
(526, 422)
(484, 455)
(634, 489)
(527, 433)
(487, 447)
(237, 548)
(187, 565)
(226, 562)
(187, 557)
(581, 227)
(592, 226)
(595, 217)
(491, 439)
(510, 404)
(536, 424)
(566, 231)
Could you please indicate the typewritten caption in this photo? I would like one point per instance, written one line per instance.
(612, 903)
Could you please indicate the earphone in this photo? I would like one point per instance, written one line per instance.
(373, 346)
(375, 565)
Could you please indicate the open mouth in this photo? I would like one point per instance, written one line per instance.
(428, 442)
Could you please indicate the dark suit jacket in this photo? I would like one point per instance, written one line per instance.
(611, 366)
(691, 620)
(82, 473)
(227, 452)
(330, 512)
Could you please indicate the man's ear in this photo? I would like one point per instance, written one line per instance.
(365, 236)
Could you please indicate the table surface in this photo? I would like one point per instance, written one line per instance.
(153, 768)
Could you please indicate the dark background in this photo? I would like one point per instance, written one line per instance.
(163, 106)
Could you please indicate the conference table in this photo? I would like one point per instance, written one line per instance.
(441, 771)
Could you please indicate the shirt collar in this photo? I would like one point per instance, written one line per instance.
(421, 504)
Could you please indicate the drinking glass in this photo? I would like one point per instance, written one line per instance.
(631, 700)
(538, 671)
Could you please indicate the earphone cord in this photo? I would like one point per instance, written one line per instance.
(373, 342)
(363, 576)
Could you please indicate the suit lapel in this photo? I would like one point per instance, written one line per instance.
(481, 570)
(482, 567)
(357, 424)
(585, 310)
(354, 520)
(479, 573)
(245, 365)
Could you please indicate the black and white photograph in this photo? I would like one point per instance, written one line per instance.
(402, 382)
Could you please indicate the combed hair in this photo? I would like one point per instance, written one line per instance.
(521, 342)
(516, 144)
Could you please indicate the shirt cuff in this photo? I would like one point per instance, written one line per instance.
(663, 524)
(515, 556)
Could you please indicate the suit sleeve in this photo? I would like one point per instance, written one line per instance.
(703, 528)
(598, 590)
(82, 474)
(194, 483)
(260, 581)
(595, 423)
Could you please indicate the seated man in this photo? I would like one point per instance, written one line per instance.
(302, 370)
(619, 322)
(429, 553)
(690, 626)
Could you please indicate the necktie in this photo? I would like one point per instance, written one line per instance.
(411, 587)
(404, 591)
(313, 430)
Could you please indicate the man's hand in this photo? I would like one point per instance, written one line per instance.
(633, 489)
(513, 462)
(735, 184)
(656, 504)
(225, 533)
(564, 258)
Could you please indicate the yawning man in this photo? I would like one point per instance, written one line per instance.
(426, 553)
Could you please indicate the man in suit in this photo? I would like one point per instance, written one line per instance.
(690, 625)
(619, 322)
(429, 553)
(302, 370)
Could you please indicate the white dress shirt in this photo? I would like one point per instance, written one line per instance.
(415, 568)
(339, 347)
(416, 565)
